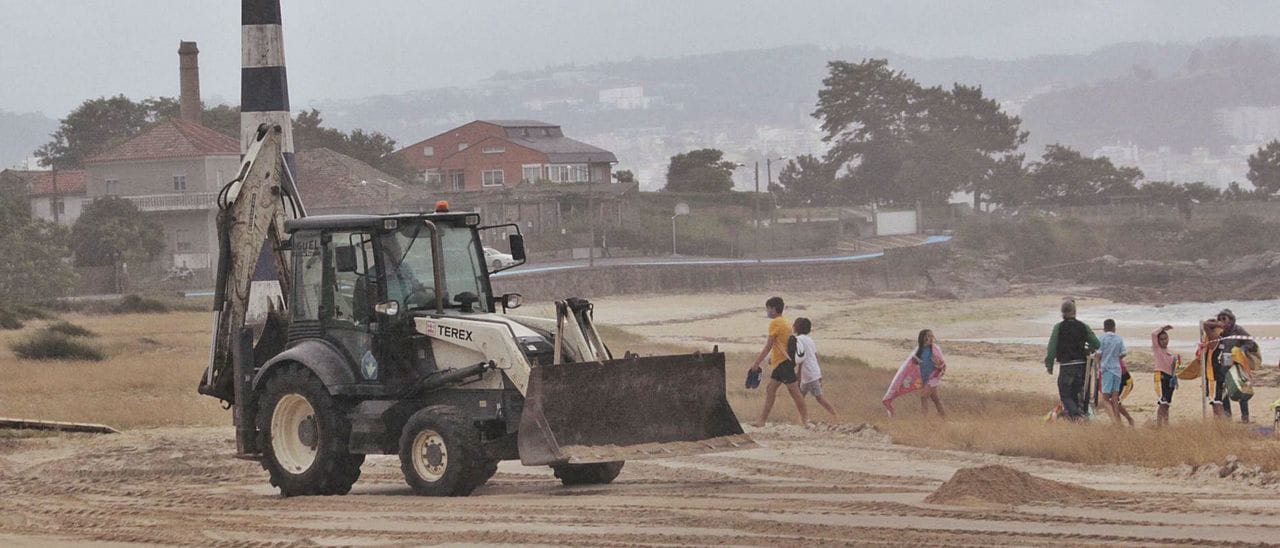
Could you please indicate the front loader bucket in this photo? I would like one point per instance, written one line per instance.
(633, 408)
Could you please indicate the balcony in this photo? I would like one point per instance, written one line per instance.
(185, 201)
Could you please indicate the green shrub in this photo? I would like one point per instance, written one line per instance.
(9, 320)
(71, 330)
(1032, 242)
(25, 312)
(52, 345)
(136, 304)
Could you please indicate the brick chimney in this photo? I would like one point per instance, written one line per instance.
(189, 107)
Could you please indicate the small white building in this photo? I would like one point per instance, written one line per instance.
(628, 98)
(58, 196)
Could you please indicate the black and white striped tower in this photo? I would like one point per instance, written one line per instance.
(264, 86)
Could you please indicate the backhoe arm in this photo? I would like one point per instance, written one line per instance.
(252, 210)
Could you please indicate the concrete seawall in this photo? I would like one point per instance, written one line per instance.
(901, 269)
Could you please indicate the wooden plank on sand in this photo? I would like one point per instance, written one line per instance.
(28, 424)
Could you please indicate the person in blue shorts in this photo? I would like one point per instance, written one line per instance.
(1111, 346)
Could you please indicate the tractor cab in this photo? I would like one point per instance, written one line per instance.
(360, 280)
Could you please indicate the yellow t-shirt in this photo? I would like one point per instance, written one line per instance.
(780, 331)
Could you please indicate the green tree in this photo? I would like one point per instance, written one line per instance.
(1264, 168)
(898, 142)
(111, 229)
(1236, 192)
(806, 180)
(1008, 183)
(34, 268)
(1063, 176)
(94, 126)
(702, 170)
(99, 124)
(1163, 192)
(1200, 192)
(370, 147)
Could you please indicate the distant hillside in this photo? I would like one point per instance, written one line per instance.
(1181, 109)
(1212, 94)
(771, 87)
(21, 134)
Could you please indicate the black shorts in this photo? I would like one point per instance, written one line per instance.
(1166, 384)
(785, 372)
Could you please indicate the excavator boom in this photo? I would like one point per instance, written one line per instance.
(252, 210)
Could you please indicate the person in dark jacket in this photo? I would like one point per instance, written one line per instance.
(1221, 359)
(1070, 345)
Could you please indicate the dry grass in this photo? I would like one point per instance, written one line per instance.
(148, 379)
(154, 363)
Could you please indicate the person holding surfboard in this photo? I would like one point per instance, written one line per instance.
(1230, 336)
(1070, 345)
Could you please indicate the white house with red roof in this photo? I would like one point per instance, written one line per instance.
(172, 172)
(57, 196)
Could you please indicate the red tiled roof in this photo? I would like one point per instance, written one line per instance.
(61, 183)
(171, 139)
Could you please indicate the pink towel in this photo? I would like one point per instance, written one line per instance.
(907, 379)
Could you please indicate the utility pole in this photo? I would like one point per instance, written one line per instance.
(755, 215)
(591, 222)
(53, 198)
(768, 183)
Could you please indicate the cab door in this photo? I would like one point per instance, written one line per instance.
(352, 288)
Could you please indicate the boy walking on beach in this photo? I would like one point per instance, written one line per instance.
(1111, 346)
(806, 358)
(784, 370)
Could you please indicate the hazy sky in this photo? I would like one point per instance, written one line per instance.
(55, 53)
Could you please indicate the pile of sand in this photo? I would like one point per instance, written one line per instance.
(995, 484)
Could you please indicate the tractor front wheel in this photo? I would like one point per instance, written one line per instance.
(588, 474)
(303, 435)
(441, 453)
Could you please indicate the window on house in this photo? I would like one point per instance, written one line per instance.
(431, 176)
(493, 150)
(182, 240)
(59, 207)
(456, 179)
(531, 173)
(463, 146)
(492, 177)
(569, 173)
(428, 151)
(179, 182)
(112, 187)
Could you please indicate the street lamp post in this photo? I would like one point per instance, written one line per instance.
(681, 209)
(768, 183)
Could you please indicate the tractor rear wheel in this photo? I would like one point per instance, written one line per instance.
(441, 453)
(303, 433)
(588, 474)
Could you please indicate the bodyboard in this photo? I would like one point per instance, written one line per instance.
(1200, 364)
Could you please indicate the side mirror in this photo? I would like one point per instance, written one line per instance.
(512, 301)
(389, 308)
(345, 256)
(517, 247)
